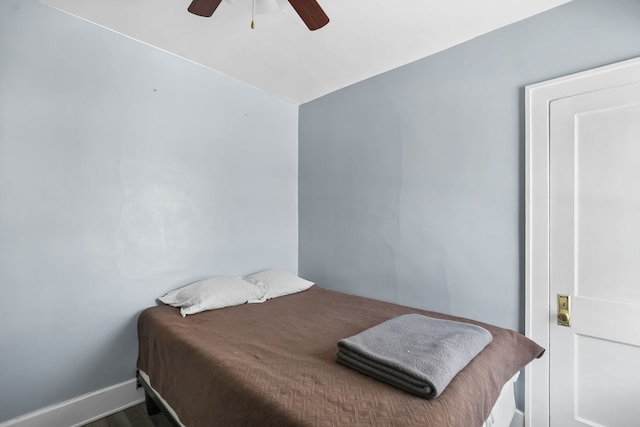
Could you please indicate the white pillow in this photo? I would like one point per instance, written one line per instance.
(213, 293)
(279, 282)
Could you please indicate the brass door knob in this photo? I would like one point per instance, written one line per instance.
(563, 316)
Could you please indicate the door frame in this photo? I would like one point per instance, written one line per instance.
(538, 312)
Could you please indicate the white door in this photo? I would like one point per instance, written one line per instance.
(594, 258)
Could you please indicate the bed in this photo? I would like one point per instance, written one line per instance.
(273, 364)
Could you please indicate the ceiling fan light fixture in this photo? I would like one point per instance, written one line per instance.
(309, 10)
(263, 7)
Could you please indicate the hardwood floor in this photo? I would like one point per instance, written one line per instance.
(136, 416)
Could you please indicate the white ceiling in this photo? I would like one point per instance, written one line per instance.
(281, 56)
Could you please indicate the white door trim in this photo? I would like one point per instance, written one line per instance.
(537, 310)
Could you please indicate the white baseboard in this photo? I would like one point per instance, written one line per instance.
(82, 409)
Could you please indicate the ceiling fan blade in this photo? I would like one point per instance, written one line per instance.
(311, 13)
(203, 7)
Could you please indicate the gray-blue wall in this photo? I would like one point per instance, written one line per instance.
(411, 183)
(124, 172)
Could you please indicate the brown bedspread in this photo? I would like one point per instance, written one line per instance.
(273, 364)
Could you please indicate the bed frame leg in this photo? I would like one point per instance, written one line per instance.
(151, 406)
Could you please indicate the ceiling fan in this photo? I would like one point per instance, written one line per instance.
(309, 11)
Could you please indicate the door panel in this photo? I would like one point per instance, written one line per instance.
(600, 368)
(595, 258)
(608, 193)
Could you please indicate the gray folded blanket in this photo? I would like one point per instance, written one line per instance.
(415, 353)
